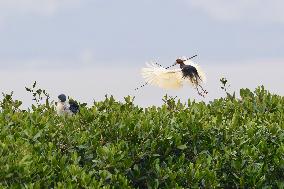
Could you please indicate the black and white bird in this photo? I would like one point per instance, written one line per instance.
(189, 72)
(66, 108)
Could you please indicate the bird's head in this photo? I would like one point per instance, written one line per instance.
(62, 98)
(179, 61)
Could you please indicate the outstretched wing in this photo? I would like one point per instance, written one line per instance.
(161, 77)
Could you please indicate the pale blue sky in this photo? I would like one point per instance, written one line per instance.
(101, 36)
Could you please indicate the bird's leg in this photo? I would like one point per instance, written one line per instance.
(141, 86)
(203, 92)
(200, 93)
(198, 85)
(206, 92)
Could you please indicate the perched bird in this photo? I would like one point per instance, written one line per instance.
(64, 107)
(189, 72)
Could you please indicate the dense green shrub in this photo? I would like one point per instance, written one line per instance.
(227, 143)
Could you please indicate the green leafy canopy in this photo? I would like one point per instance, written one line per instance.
(227, 143)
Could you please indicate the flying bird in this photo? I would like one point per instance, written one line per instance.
(66, 108)
(188, 72)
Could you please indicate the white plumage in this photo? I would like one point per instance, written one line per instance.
(63, 108)
(169, 78)
(66, 108)
(189, 72)
(161, 77)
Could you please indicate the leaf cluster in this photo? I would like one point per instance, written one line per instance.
(227, 143)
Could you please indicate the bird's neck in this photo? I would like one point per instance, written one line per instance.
(181, 65)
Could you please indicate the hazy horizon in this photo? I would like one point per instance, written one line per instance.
(87, 49)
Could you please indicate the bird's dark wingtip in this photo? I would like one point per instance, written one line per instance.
(74, 107)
